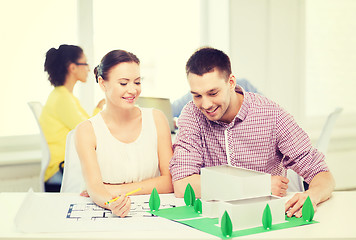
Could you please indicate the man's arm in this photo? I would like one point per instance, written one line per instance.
(320, 190)
(180, 185)
(188, 149)
(304, 159)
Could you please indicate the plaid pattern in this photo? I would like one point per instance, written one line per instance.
(262, 137)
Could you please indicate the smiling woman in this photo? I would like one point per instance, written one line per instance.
(124, 147)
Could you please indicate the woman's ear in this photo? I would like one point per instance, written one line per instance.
(71, 68)
(101, 82)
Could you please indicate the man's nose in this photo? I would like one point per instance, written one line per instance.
(206, 103)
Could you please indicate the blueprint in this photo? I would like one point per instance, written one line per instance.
(64, 212)
(91, 211)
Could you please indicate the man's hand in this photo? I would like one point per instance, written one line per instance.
(279, 185)
(320, 190)
(295, 204)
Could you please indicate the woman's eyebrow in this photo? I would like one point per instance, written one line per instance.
(127, 79)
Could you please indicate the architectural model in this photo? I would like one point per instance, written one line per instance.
(234, 202)
(243, 193)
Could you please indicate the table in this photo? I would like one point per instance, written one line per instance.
(336, 217)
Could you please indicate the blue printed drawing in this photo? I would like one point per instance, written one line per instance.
(91, 211)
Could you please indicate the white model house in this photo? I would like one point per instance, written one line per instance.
(243, 193)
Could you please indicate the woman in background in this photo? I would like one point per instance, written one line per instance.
(124, 147)
(62, 112)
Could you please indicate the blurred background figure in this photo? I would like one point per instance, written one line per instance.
(62, 112)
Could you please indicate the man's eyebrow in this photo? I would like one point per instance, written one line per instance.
(212, 90)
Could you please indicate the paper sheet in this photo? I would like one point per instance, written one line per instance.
(67, 213)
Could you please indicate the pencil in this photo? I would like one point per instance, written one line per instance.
(127, 194)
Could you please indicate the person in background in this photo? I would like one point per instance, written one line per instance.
(124, 147)
(62, 112)
(179, 104)
(227, 125)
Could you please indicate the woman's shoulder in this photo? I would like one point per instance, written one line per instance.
(158, 116)
(84, 130)
(84, 126)
(156, 113)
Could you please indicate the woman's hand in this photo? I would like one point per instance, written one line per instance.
(121, 207)
(84, 194)
(101, 103)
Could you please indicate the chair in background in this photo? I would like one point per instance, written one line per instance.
(36, 108)
(73, 180)
(325, 136)
(296, 183)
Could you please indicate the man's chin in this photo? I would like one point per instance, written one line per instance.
(212, 118)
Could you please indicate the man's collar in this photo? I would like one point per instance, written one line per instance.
(244, 106)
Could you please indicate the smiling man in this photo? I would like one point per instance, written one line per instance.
(226, 125)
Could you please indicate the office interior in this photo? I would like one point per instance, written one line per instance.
(300, 53)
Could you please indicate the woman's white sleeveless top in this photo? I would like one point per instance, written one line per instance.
(127, 162)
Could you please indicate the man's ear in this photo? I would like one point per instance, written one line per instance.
(232, 82)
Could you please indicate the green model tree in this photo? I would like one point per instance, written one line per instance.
(189, 195)
(308, 210)
(267, 218)
(197, 206)
(226, 225)
(155, 201)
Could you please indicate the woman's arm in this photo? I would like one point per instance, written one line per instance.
(85, 142)
(163, 183)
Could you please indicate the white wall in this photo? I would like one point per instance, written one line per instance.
(85, 40)
(215, 24)
(266, 47)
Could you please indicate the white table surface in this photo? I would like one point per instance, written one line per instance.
(337, 218)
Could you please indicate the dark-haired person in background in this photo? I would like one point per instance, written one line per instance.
(62, 112)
